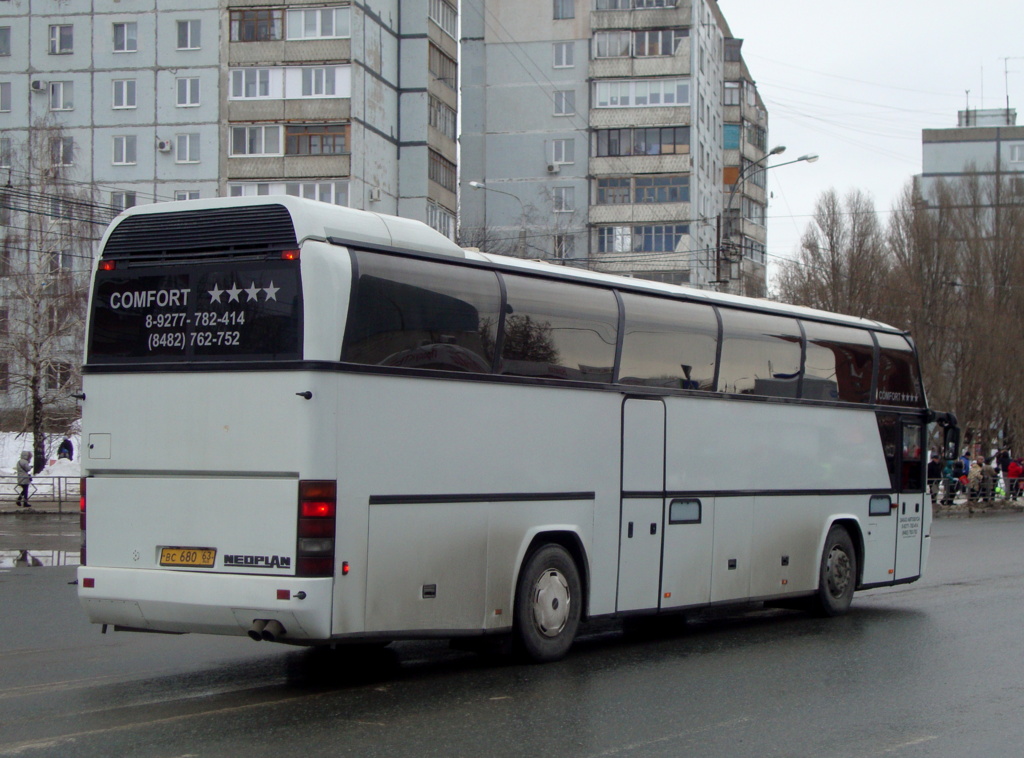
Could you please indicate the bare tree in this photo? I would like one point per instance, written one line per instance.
(50, 225)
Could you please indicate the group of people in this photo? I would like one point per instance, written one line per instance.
(23, 471)
(982, 479)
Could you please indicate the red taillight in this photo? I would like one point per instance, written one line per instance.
(289, 255)
(318, 506)
(81, 518)
(108, 265)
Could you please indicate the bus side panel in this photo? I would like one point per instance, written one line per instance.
(410, 436)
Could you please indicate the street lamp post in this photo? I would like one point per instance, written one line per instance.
(725, 248)
(521, 246)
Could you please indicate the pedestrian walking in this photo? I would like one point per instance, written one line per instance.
(24, 471)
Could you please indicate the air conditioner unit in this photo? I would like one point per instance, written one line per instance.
(38, 85)
(553, 168)
(374, 194)
(164, 145)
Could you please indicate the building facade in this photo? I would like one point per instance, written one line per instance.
(600, 139)
(111, 103)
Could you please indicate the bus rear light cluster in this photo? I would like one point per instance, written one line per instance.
(81, 518)
(318, 507)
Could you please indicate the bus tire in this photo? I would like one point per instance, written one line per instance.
(838, 573)
(548, 602)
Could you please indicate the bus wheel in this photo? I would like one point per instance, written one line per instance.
(548, 604)
(838, 574)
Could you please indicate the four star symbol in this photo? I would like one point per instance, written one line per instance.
(252, 292)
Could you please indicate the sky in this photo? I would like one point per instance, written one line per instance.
(856, 82)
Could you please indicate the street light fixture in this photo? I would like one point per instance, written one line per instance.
(521, 248)
(723, 247)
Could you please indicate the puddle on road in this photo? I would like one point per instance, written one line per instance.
(20, 558)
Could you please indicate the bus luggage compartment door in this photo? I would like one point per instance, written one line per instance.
(643, 502)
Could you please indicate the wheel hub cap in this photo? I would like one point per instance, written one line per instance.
(551, 603)
(839, 572)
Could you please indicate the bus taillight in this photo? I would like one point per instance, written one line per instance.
(81, 517)
(318, 505)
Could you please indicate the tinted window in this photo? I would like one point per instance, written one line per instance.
(219, 311)
(553, 329)
(760, 354)
(839, 363)
(668, 343)
(898, 380)
(422, 314)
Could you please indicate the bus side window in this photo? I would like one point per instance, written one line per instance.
(421, 314)
(668, 343)
(839, 363)
(760, 354)
(559, 330)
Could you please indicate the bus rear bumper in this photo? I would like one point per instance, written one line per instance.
(189, 601)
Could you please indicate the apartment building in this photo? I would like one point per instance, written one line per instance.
(599, 139)
(111, 103)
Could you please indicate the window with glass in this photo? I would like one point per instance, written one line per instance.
(558, 330)
(613, 190)
(442, 117)
(62, 39)
(319, 23)
(62, 96)
(188, 34)
(760, 354)
(256, 25)
(126, 37)
(839, 363)
(641, 93)
(565, 103)
(661, 189)
(443, 67)
(125, 153)
(335, 192)
(564, 246)
(5, 40)
(188, 91)
(5, 152)
(250, 83)
(564, 199)
(731, 95)
(186, 194)
(187, 148)
(757, 136)
(441, 219)
(255, 140)
(422, 315)
(62, 151)
(664, 140)
(318, 82)
(564, 9)
(612, 44)
(316, 139)
(5, 97)
(445, 16)
(731, 50)
(563, 54)
(668, 343)
(122, 200)
(658, 42)
(899, 381)
(654, 238)
(441, 170)
(563, 151)
(124, 93)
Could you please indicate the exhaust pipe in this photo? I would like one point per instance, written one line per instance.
(272, 630)
(256, 630)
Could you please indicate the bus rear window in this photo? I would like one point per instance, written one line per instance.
(224, 311)
(898, 380)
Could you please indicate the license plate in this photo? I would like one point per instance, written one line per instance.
(201, 557)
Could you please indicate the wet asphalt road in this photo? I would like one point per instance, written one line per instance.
(930, 669)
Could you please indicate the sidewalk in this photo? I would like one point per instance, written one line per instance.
(40, 505)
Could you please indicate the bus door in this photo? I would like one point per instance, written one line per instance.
(902, 444)
(643, 501)
(911, 499)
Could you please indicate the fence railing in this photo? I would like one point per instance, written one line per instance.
(62, 490)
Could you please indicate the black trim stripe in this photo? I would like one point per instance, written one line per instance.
(487, 497)
(690, 494)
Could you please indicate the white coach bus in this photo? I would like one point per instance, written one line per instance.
(317, 425)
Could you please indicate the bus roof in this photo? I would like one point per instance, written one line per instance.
(315, 220)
